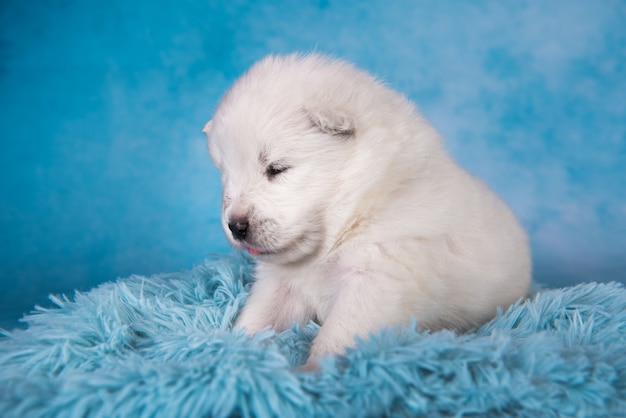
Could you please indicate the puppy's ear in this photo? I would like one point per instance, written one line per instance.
(333, 122)
(207, 127)
(213, 151)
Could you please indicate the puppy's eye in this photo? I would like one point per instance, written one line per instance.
(275, 169)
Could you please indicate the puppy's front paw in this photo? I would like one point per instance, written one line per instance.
(310, 366)
(249, 327)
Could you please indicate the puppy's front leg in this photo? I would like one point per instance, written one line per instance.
(272, 303)
(259, 311)
(365, 302)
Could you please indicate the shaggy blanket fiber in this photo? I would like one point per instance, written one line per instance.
(163, 347)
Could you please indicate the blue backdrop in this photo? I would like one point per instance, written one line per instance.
(105, 171)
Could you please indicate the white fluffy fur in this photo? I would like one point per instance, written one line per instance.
(370, 222)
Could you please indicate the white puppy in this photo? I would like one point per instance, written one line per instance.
(355, 213)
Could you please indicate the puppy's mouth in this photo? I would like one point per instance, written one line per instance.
(258, 251)
(254, 251)
(264, 246)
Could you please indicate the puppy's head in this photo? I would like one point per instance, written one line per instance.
(281, 137)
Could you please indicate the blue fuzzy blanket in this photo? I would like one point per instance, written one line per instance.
(163, 347)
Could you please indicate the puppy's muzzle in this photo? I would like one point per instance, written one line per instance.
(239, 229)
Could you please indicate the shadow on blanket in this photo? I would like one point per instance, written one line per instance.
(163, 346)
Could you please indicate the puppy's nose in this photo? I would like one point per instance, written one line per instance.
(239, 229)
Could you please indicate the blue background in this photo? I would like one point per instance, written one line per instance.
(105, 171)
